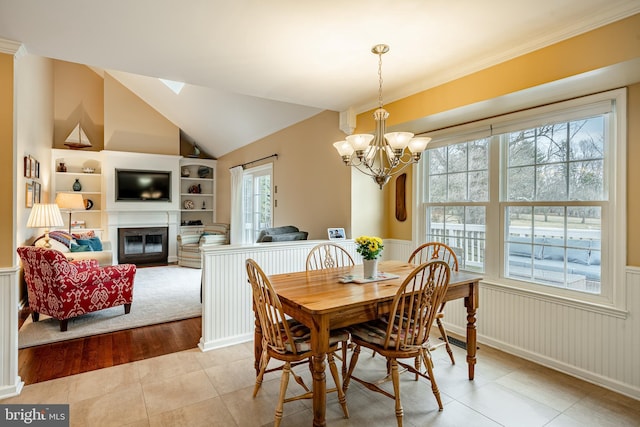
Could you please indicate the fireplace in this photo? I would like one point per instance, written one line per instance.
(144, 245)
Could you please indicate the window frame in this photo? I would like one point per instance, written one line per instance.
(611, 300)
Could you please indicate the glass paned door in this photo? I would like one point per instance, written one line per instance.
(258, 202)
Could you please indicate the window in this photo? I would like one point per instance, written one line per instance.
(458, 194)
(534, 199)
(257, 204)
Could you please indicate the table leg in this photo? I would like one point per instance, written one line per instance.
(320, 347)
(471, 302)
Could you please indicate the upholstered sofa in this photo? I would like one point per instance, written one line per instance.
(79, 246)
(281, 234)
(65, 289)
(189, 243)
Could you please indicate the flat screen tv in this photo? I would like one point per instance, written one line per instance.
(143, 185)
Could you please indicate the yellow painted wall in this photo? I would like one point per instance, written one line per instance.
(314, 186)
(7, 163)
(399, 229)
(611, 44)
(603, 47)
(130, 124)
(79, 98)
(633, 175)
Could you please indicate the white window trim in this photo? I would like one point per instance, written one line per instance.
(266, 169)
(612, 301)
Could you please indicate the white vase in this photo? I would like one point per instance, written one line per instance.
(370, 267)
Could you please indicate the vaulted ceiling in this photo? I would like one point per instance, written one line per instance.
(254, 67)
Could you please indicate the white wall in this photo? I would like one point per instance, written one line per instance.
(33, 131)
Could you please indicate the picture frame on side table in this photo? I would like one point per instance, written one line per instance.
(336, 233)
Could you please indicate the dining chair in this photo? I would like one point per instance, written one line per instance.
(288, 341)
(325, 256)
(404, 333)
(433, 251)
(328, 255)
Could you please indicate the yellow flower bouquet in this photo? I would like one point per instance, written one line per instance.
(369, 247)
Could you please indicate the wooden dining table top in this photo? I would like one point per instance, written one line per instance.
(321, 291)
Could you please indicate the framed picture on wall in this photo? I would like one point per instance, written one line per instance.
(37, 171)
(28, 196)
(27, 167)
(336, 233)
(37, 193)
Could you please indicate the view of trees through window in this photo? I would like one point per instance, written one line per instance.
(458, 193)
(551, 189)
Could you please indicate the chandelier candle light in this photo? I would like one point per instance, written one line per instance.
(383, 154)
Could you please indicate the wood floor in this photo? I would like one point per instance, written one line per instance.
(50, 361)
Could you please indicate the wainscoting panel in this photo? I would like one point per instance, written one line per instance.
(598, 347)
(227, 307)
(10, 382)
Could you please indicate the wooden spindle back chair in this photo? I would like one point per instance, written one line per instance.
(286, 340)
(437, 251)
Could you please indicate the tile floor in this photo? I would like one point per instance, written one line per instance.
(192, 388)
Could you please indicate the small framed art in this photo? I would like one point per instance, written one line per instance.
(28, 196)
(37, 192)
(336, 233)
(27, 166)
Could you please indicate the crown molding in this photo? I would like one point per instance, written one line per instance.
(10, 47)
(472, 66)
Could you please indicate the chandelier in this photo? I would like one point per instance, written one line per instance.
(384, 154)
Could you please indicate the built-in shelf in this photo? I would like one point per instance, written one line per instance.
(76, 163)
(197, 187)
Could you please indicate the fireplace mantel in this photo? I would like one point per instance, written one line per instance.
(138, 214)
(130, 219)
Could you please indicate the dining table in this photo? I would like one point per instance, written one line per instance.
(322, 301)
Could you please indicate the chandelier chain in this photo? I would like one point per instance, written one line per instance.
(380, 80)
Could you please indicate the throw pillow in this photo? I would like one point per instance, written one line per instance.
(94, 243)
(60, 247)
(62, 237)
(84, 235)
(80, 248)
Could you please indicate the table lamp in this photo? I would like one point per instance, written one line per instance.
(45, 215)
(68, 202)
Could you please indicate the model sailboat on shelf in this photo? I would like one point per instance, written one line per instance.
(77, 138)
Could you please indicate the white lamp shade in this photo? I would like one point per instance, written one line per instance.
(360, 141)
(344, 148)
(418, 145)
(398, 140)
(70, 201)
(45, 215)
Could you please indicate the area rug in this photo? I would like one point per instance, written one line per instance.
(160, 294)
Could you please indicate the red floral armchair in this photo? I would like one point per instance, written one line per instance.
(64, 289)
